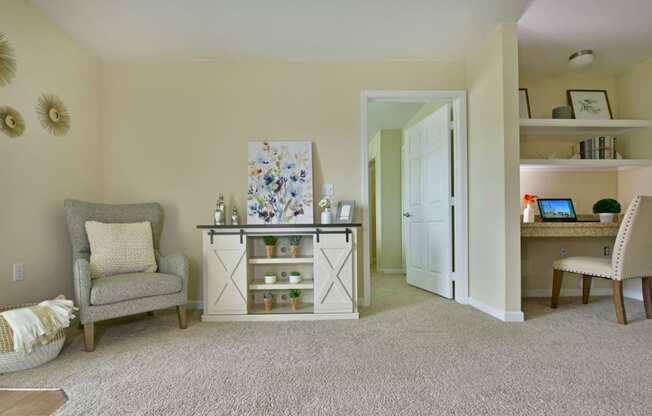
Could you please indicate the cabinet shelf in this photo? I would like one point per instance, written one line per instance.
(281, 260)
(284, 285)
(583, 164)
(546, 126)
(281, 309)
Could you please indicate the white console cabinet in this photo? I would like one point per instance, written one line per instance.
(235, 264)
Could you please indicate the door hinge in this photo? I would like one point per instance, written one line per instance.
(452, 200)
(451, 125)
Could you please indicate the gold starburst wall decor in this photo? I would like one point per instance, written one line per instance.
(7, 61)
(11, 122)
(53, 114)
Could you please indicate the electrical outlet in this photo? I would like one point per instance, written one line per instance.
(606, 251)
(19, 272)
(563, 252)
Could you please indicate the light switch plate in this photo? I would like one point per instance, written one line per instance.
(19, 272)
(327, 189)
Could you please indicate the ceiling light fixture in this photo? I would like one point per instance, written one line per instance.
(581, 59)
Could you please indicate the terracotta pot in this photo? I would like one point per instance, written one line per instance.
(270, 251)
(268, 304)
(296, 304)
(294, 251)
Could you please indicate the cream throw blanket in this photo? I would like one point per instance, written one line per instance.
(38, 324)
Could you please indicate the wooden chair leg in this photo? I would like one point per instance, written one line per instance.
(619, 302)
(647, 296)
(586, 288)
(557, 278)
(89, 337)
(183, 316)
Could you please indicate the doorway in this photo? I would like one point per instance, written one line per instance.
(414, 190)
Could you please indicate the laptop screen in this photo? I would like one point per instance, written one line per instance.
(557, 209)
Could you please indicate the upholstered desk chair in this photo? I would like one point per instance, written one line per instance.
(125, 294)
(632, 258)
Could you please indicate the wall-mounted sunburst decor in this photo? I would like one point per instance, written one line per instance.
(7, 61)
(11, 122)
(53, 114)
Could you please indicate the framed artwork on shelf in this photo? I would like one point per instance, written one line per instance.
(345, 212)
(280, 182)
(524, 103)
(590, 104)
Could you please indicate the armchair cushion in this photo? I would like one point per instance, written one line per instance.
(129, 286)
(591, 266)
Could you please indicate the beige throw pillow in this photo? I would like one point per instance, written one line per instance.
(120, 248)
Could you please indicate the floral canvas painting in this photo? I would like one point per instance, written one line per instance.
(280, 183)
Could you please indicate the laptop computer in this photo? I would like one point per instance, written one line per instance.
(558, 210)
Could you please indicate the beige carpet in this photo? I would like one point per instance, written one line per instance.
(411, 354)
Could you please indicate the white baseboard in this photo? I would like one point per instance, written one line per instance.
(577, 292)
(506, 316)
(392, 271)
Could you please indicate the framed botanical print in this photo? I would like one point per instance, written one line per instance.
(590, 104)
(524, 103)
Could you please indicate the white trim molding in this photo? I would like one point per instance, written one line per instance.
(458, 100)
(505, 316)
(568, 292)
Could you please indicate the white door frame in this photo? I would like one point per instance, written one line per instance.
(458, 99)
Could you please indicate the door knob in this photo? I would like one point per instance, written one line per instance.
(407, 214)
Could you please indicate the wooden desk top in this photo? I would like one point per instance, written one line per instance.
(569, 229)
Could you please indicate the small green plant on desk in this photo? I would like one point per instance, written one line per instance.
(295, 245)
(295, 299)
(295, 277)
(606, 209)
(270, 242)
(268, 300)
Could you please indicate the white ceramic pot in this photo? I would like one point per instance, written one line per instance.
(295, 279)
(607, 218)
(528, 214)
(326, 217)
(269, 279)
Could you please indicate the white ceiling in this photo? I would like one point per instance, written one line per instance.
(619, 32)
(440, 30)
(389, 116)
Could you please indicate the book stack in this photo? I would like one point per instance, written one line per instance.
(603, 147)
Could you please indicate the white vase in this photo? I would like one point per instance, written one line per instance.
(326, 217)
(607, 218)
(528, 214)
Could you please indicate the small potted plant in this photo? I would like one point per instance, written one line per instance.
(528, 212)
(295, 245)
(270, 243)
(295, 299)
(326, 214)
(270, 278)
(295, 277)
(268, 299)
(606, 209)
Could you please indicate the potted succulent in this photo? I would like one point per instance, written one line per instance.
(268, 299)
(607, 209)
(295, 277)
(295, 245)
(295, 299)
(270, 277)
(270, 243)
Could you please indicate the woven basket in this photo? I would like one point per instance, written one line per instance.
(14, 361)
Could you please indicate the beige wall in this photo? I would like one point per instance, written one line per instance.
(177, 132)
(635, 101)
(494, 246)
(385, 148)
(38, 170)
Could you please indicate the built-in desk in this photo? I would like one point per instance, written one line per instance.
(569, 229)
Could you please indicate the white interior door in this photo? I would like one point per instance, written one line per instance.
(427, 205)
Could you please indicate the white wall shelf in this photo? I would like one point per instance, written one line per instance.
(559, 127)
(281, 260)
(583, 164)
(284, 285)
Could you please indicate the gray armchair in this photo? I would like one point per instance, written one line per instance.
(125, 294)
